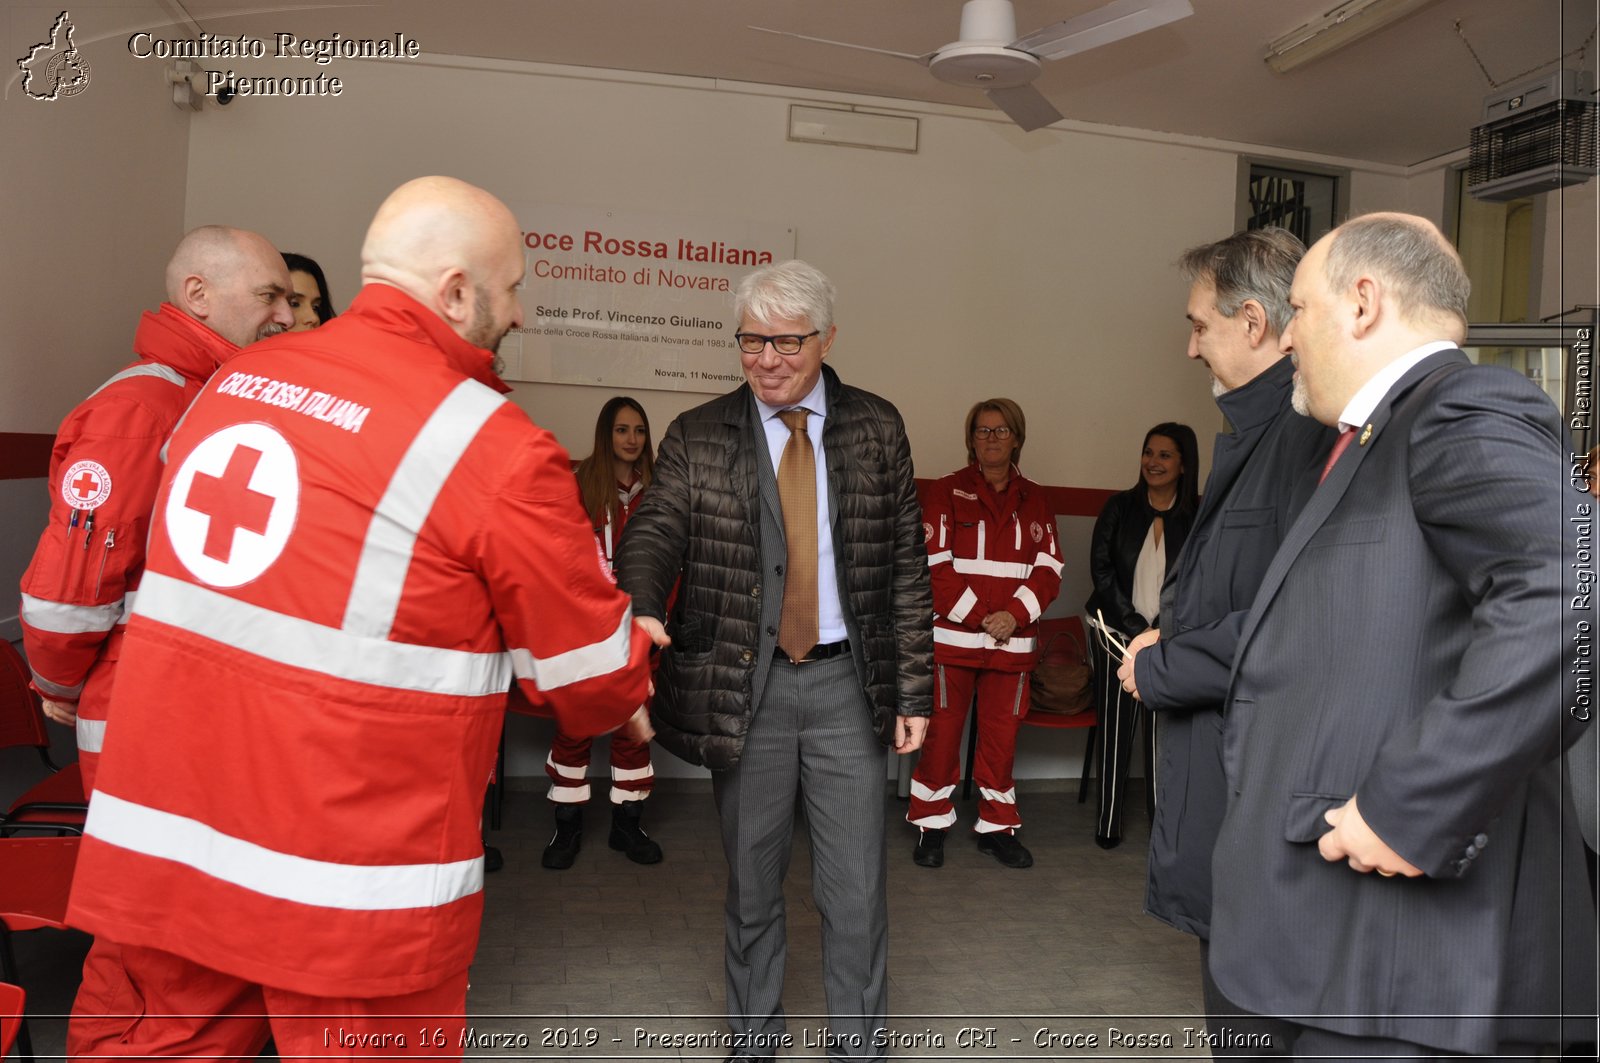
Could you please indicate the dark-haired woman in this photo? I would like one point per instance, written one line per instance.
(308, 297)
(1138, 535)
(610, 481)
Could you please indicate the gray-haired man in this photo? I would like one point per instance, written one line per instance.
(802, 643)
(1262, 471)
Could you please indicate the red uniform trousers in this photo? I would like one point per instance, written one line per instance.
(1002, 702)
(156, 1004)
(632, 777)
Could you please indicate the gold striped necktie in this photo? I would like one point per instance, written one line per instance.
(797, 491)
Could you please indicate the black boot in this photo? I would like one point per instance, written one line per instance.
(629, 838)
(930, 848)
(563, 847)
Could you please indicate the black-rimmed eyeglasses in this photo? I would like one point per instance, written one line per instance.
(755, 343)
(1002, 432)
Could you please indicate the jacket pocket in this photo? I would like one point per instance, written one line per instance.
(1249, 518)
(1304, 822)
(1366, 530)
(692, 637)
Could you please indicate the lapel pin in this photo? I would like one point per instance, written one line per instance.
(1366, 434)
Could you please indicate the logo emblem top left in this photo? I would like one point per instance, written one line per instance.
(86, 485)
(233, 504)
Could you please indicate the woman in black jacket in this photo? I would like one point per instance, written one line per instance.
(1136, 538)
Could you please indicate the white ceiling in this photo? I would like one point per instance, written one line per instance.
(1406, 95)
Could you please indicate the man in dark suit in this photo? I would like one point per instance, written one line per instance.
(1397, 703)
(1263, 470)
(802, 644)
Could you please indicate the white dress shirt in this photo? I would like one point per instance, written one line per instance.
(830, 614)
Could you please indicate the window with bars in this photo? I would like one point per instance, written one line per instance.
(1304, 203)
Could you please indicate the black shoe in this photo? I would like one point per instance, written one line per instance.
(1005, 848)
(564, 844)
(930, 847)
(629, 838)
(492, 860)
(1106, 843)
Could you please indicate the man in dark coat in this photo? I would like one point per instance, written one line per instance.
(1262, 471)
(1397, 702)
(802, 643)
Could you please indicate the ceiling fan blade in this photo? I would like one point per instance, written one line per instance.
(1025, 105)
(923, 59)
(1116, 20)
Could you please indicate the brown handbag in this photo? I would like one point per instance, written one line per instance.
(1062, 682)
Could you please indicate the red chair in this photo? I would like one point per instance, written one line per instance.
(33, 896)
(57, 804)
(12, 998)
(1090, 717)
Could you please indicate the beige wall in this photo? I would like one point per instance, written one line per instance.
(91, 204)
(991, 262)
(1571, 236)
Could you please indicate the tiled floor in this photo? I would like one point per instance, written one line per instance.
(608, 959)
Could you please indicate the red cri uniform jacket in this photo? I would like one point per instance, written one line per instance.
(988, 552)
(103, 477)
(357, 543)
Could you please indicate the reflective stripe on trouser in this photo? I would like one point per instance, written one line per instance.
(1120, 715)
(632, 777)
(1002, 701)
(144, 1003)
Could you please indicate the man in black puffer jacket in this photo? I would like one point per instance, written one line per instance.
(802, 642)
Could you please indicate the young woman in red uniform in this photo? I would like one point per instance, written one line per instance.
(611, 480)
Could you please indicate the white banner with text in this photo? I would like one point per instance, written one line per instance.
(625, 299)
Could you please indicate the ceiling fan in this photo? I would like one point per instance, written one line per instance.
(990, 56)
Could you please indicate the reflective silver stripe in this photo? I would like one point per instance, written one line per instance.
(56, 691)
(62, 619)
(632, 774)
(302, 644)
(127, 606)
(350, 887)
(999, 797)
(940, 558)
(922, 792)
(940, 822)
(568, 795)
(566, 771)
(91, 735)
(980, 640)
(1030, 601)
(963, 605)
(415, 485)
(155, 369)
(608, 655)
(1008, 569)
(1047, 561)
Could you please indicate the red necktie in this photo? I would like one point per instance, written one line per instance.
(1339, 446)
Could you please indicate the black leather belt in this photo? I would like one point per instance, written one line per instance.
(820, 652)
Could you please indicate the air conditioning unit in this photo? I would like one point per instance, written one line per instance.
(1536, 136)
